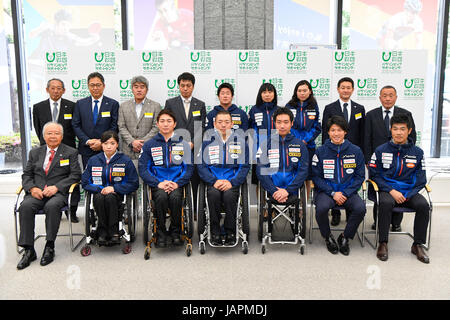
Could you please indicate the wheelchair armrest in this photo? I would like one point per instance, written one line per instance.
(374, 185)
(73, 186)
(364, 186)
(19, 190)
(428, 188)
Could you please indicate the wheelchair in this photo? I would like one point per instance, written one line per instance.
(64, 209)
(293, 212)
(373, 195)
(242, 219)
(360, 235)
(150, 223)
(127, 223)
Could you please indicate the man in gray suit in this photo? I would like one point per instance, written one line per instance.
(190, 114)
(50, 171)
(137, 119)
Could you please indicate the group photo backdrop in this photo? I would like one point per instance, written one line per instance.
(246, 70)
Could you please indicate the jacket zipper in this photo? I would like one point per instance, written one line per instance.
(339, 167)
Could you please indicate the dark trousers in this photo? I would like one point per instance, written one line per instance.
(422, 216)
(165, 201)
(396, 219)
(195, 181)
(29, 208)
(354, 204)
(229, 200)
(107, 209)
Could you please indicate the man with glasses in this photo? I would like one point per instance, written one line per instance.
(92, 116)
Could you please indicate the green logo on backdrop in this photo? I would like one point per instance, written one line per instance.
(288, 58)
(197, 57)
(406, 83)
(277, 83)
(364, 84)
(321, 87)
(171, 86)
(125, 91)
(149, 57)
(336, 56)
(245, 57)
(53, 55)
(383, 56)
(296, 62)
(76, 87)
(102, 57)
(414, 88)
(392, 61)
(126, 84)
(367, 88)
(201, 62)
(344, 61)
(248, 62)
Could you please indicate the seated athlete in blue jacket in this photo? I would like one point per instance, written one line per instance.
(398, 168)
(223, 165)
(109, 176)
(283, 164)
(166, 166)
(338, 169)
(225, 92)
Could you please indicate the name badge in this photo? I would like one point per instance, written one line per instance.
(148, 115)
(196, 113)
(106, 114)
(358, 116)
(64, 162)
(67, 116)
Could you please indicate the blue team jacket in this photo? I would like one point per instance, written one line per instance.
(399, 167)
(119, 173)
(338, 168)
(239, 117)
(161, 160)
(306, 123)
(284, 165)
(219, 160)
(260, 117)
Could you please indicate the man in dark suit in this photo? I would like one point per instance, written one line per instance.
(190, 115)
(354, 114)
(50, 171)
(92, 116)
(377, 132)
(59, 110)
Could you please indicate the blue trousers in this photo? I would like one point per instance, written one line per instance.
(354, 205)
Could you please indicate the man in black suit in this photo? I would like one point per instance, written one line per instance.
(58, 110)
(355, 115)
(50, 171)
(377, 132)
(190, 114)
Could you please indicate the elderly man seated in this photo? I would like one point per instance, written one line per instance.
(50, 171)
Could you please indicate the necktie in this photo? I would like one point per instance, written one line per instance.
(49, 161)
(346, 112)
(55, 111)
(95, 113)
(186, 108)
(386, 120)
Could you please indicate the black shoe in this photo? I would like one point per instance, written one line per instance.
(47, 256)
(331, 244)
(28, 257)
(335, 219)
(161, 239)
(343, 244)
(102, 241)
(216, 240)
(115, 239)
(395, 228)
(230, 239)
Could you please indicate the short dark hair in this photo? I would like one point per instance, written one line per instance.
(339, 121)
(388, 87)
(266, 87)
(225, 85)
(401, 118)
(281, 111)
(186, 76)
(55, 79)
(170, 113)
(96, 75)
(108, 135)
(346, 79)
(222, 112)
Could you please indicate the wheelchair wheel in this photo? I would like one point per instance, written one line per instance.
(145, 215)
(202, 247)
(126, 249)
(85, 251)
(131, 217)
(263, 249)
(147, 253)
(245, 247)
(88, 215)
(261, 213)
(201, 208)
(245, 211)
(188, 249)
(304, 207)
(188, 213)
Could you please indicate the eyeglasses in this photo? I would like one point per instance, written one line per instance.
(95, 85)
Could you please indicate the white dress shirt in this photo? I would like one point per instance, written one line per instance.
(47, 156)
(349, 108)
(52, 105)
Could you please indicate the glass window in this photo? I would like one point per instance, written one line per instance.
(396, 25)
(161, 24)
(303, 22)
(445, 137)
